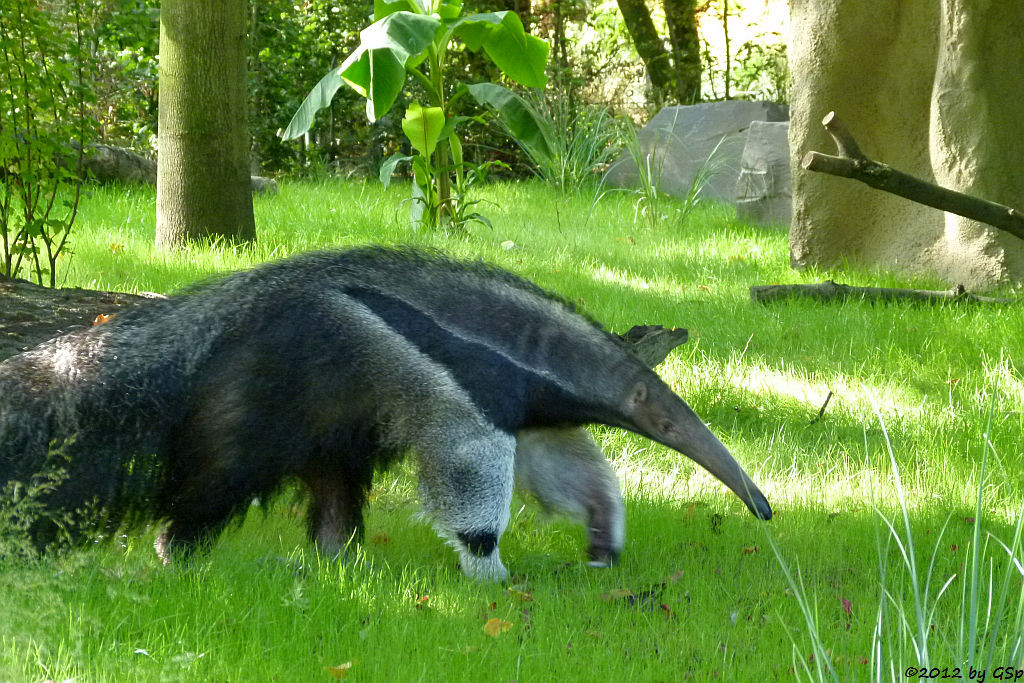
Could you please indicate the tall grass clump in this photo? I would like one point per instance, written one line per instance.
(652, 203)
(574, 145)
(921, 629)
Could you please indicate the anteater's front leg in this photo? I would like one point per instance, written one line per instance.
(465, 473)
(568, 473)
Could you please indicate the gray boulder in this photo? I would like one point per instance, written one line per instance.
(677, 143)
(764, 190)
(108, 164)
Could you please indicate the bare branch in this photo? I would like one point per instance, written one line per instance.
(851, 163)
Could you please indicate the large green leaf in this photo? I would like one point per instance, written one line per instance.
(474, 29)
(449, 9)
(387, 169)
(423, 126)
(519, 55)
(382, 8)
(376, 70)
(521, 119)
(318, 98)
(446, 9)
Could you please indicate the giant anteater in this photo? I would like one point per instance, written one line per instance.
(326, 366)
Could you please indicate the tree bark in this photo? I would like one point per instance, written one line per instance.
(680, 15)
(203, 164)
(649, 46)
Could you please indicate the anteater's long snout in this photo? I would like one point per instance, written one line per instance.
(659, 414)
(700, 445)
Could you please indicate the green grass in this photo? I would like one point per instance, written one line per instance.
(702, 590)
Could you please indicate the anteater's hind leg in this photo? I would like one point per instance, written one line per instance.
(199, 500)
(193, 526)
(568, 473)
(335, 517)
(218, 461)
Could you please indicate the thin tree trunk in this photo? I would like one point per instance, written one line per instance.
(680, 15)
(203, 163)
(649, 46)
(728, 48)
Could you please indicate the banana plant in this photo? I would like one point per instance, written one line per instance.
(410, 39)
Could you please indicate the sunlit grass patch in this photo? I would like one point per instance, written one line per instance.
(699, 591)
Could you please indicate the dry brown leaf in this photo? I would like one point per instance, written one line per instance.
(495, 627)
(617, 594)
(341, 670)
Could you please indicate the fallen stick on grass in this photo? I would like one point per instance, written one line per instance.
(833, 291)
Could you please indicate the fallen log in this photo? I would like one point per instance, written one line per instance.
(833, 291)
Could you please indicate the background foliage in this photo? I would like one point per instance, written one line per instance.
(294, 42)
(45, 91)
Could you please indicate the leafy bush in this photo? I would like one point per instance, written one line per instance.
(22, 508)
(762, 69)
(125, 36)
(44, 132)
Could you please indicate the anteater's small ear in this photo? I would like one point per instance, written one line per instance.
(638, 395)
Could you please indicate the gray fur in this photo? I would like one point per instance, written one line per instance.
(326, 366)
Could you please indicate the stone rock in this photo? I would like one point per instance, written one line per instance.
(263, 185)
(764, 190)
(677, 143)
(109, 164)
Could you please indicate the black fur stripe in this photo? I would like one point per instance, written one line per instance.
(500, 389)
(480, 543)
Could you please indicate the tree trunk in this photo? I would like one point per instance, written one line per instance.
(976, 145)
(650, 47)
(680, 15)
(203, 164)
